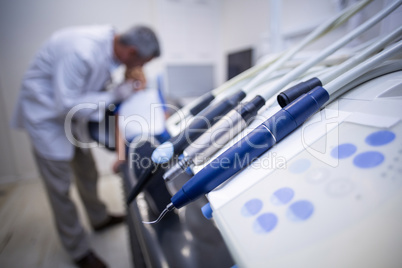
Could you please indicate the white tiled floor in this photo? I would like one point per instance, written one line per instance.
(28, 237)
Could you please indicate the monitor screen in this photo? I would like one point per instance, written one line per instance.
(239, 61)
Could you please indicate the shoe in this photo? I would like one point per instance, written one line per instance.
(90, 260)
(111, 221)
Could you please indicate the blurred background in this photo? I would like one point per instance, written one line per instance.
(204, 42)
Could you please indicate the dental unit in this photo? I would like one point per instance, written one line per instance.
(269, 133)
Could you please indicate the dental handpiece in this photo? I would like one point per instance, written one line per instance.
(241, 154)
(201, 122)
(216, 137)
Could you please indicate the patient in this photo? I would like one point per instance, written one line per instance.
(140, 116)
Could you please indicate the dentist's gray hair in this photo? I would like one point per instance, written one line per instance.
(144, 39)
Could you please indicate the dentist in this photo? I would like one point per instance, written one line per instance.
(73, 68)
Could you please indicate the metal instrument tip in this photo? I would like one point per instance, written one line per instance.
(168, 208)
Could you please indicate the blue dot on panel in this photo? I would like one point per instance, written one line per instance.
(368, 159)
(300, 166)
(300, 210)
(343, 150)
(265, 223)
(251, 207)
(282, 196)
(379, 138)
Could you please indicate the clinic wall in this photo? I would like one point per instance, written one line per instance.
(190, 37)
(24, 25)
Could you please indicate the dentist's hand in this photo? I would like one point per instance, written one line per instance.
(134, 81)
(137, 77)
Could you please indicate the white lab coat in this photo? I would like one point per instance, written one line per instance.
(71, 68)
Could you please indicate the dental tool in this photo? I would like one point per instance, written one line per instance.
(210, 115)
(267, 134)
(235, 121)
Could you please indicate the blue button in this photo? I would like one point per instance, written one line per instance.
(300, 166)
(368, 159)
(251, 207)
(207, 211)
(265, 223)
(343, 150)
(379, 138)
(300, 210)
(282, 196)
